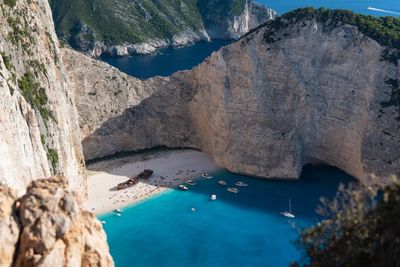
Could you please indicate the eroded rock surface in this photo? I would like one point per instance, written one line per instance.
(39, 130)
(47, 228)
(312, 94)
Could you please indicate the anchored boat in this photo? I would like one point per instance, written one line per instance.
(289, 213)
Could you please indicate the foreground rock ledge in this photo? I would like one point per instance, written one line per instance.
(47, 227)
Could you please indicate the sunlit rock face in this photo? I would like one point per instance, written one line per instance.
(46, 227)
(39, 131)
(314, 94)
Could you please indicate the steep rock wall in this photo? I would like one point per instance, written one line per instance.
(314, 94)
(39, 133)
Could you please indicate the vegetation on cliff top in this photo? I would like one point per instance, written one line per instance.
(125, 21)
(384, 30)
(360, 229)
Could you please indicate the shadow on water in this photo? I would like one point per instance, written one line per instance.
(273, 195)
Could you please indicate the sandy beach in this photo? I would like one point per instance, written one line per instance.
(171, 168)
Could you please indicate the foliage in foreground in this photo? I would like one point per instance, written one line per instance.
(361, 228)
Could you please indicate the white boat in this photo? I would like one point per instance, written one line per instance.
(190, 182)
(194, 209)
(222, 182)
(213, 197)
(182, 187)
(289, 213)
(240, 183)
(206, 175)
(118, 210)
(233, 190)
(103, 222)
(118, 214)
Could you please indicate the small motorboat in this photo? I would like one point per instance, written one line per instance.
(194, 209)
(233, 190)
(213, 197)
(240, 183)
(182, 187)
(190, 182)
(222, 182)
(103, 222)
(118, 210)
(288, 214)
(118, 214)
(206, 175)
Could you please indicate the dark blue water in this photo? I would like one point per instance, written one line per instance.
(243, 229)
(392, 7)
(166, 61)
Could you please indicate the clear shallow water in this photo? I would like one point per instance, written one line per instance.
(243, 229)
(166, 61)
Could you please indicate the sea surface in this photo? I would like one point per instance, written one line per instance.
(170, 60)
(244, 229)
(166, 61)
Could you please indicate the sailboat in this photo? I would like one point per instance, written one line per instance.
(289, 213)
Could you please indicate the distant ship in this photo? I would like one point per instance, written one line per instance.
(134, 180)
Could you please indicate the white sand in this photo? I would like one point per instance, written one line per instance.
(171, 168)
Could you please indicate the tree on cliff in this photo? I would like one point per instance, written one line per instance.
(361, 228)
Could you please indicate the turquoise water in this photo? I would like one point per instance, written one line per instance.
(243, 229)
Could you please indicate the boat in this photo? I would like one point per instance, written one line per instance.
(289, 213)
(182, 187)
(190, 182)
(233, 190)
(118, 214)
(194, 209)
(213, 197)
(146, 174)
(118, 210)
(240, 183)
(222, 182)
(103, 222)
(206, 175)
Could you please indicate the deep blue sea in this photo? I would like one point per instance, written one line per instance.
(243, 229)
(170, 60)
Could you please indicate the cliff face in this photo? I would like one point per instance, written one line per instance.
(39, 127)
(123, 27)
(47, 228)
(265, 105)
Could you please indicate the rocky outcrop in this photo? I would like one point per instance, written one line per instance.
(9, 226)
(142, 27)
(38, 120)
(46, 227)
(277, 99)
(219, 25)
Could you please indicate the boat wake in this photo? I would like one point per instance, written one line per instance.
(383, 10)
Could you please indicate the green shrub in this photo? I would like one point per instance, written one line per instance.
(361, 229)
(35, 95)
(10, 3)
(52, 155)
(7, 61)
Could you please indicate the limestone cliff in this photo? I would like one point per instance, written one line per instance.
(296, 91)
(124, 27)
(46, 227)
(39, 131)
